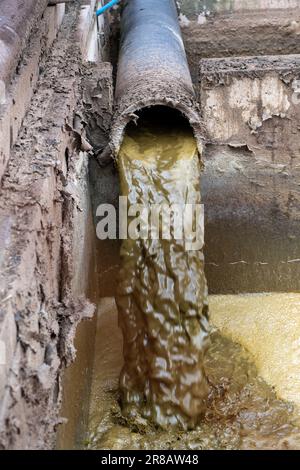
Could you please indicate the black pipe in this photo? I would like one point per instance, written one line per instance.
(152, 68)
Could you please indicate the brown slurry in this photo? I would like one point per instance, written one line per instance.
(162, 295)
(243, 411)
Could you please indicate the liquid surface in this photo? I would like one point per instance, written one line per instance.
(243, 411)
(162, 294)
(268, 326)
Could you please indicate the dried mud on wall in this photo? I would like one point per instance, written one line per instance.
(44, 215)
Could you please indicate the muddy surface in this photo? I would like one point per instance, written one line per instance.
(267, 325)
(162, 293)
(243, 411)
(41, 303)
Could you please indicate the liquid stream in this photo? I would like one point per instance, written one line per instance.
(162, 294)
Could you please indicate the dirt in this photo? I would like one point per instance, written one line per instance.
(40, 306)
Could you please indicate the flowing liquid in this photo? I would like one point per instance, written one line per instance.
(169, 365)
(162, 294)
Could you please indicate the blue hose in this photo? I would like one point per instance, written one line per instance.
(106, 7)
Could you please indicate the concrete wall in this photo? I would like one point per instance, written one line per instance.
(250, 184)
(192, 8)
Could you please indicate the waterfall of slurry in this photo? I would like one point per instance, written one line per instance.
(162, 294)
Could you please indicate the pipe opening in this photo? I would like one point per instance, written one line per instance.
(159, 120)
(163, 114)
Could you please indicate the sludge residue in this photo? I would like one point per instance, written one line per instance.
(162, 294)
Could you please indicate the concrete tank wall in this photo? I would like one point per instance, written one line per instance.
(245, 66)
(192, 8)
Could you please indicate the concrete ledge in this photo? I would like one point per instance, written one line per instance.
(249, 33)
(192, 8)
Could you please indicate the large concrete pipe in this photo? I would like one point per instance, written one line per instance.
(152, 67)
